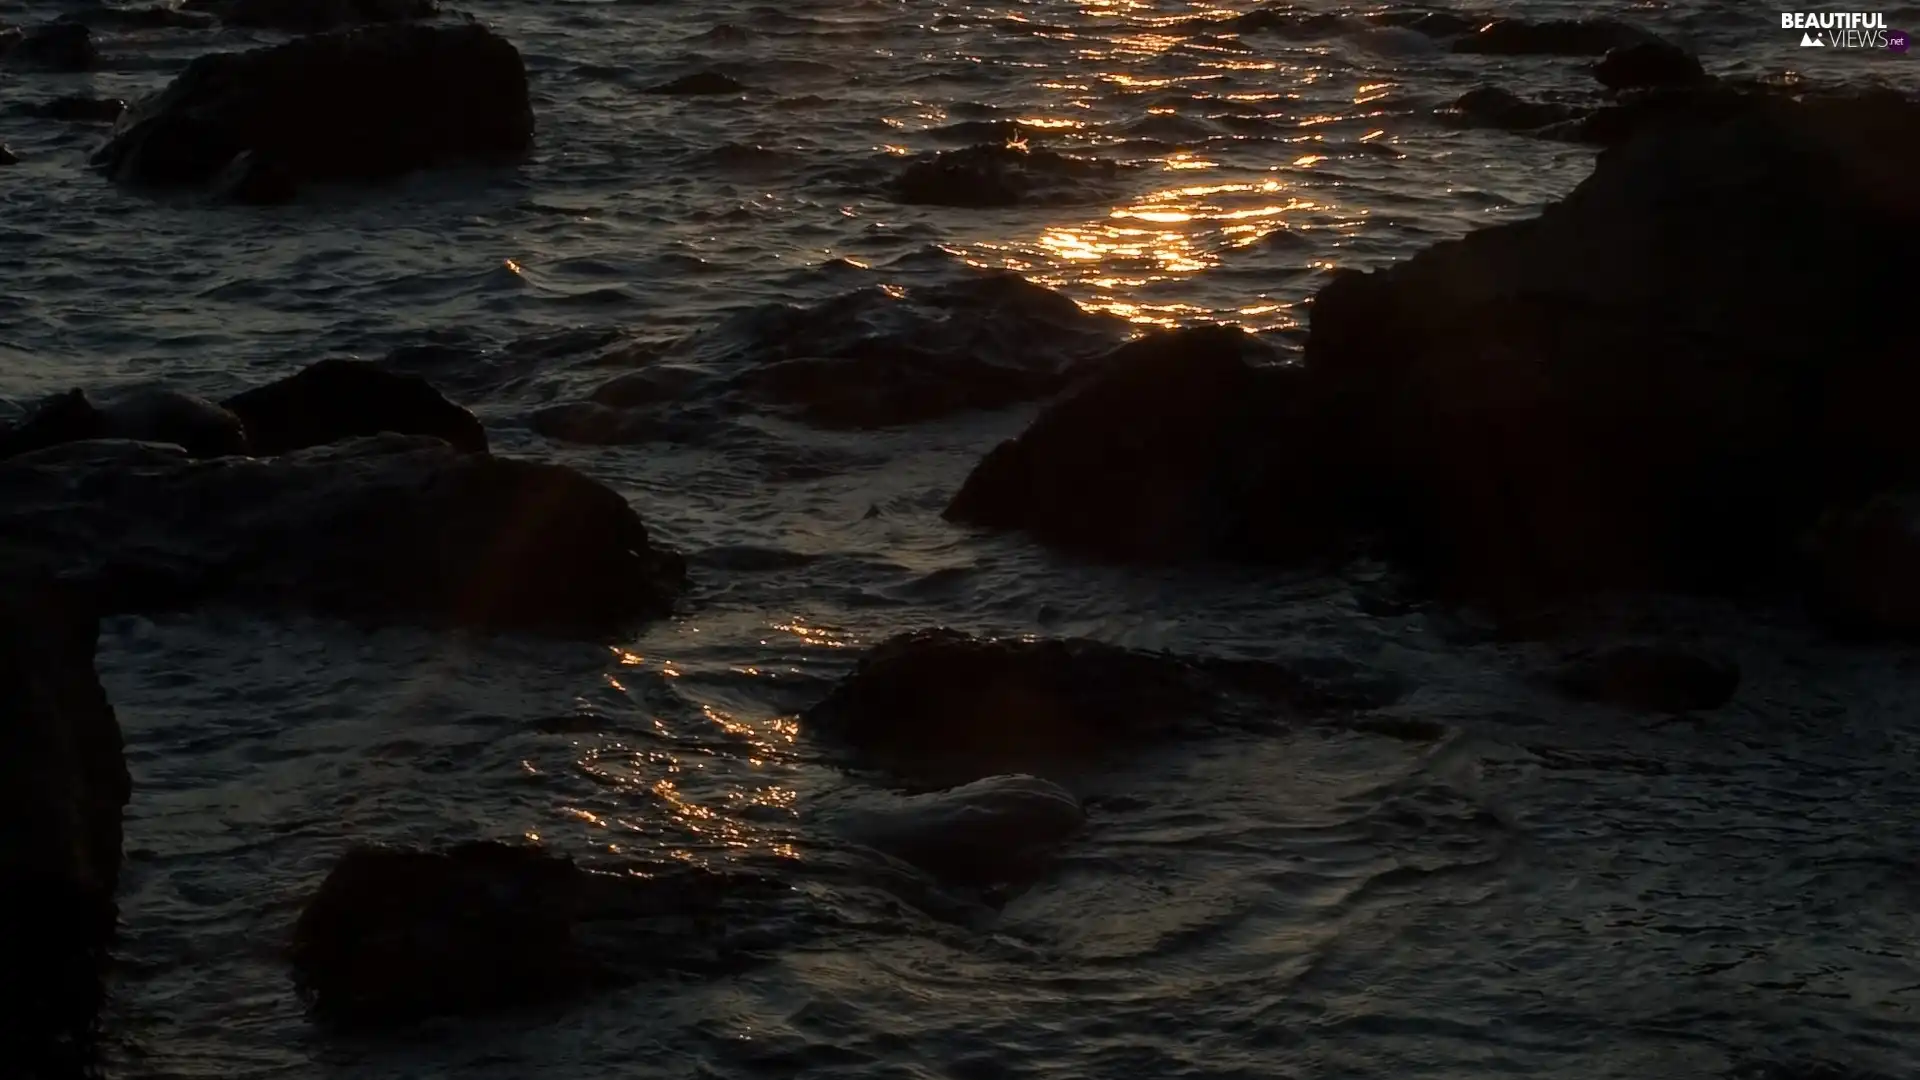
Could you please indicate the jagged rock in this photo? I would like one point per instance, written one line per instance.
(700, 83)
(997, 830)
(79, 109)
(344, 399)
(156, 415)
(395, 936)
(314, 16)
(1167, 450)
(396, 98)
(389, 528)
(1650, 678)
(63, 787)
(57, 47)
(1555, 37)
(1646, 64)
(1001, 175)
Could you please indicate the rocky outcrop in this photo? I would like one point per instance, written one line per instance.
(871, 358)
(155, 415)
(53, 47)
(1004, 175)
(1647, 64)
(1650, 678)
(383, 529)
(314, 16)
(394, 936)
(63, 787)
(998, 830)
(940, 707)
(1503, 110)
(343, 399)
(1167, 450)
(396, 98)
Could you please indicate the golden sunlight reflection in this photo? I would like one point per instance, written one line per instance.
(822, 636)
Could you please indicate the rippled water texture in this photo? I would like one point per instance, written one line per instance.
(1548, 890)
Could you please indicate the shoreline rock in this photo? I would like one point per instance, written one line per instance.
(335, 400)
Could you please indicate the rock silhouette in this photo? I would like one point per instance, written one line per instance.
(156, 415)
(343, 399)
(54, 47)
(1650, 678)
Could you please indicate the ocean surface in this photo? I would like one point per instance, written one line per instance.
(1546, 890)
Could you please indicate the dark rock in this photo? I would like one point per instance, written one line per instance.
(1647, 64)
(998, 830)
(79, 108)
(195, 424)
(1434, 24)
(384, 529)
(589, 423)
(395, 936)
(1555, 37)
(59, 47)
(1000, 175)
(1502, 110)
(344, 399)
(943, 707)
(1169, 450)
(314, 16)
(1865, 568)
(7, 156)
(1650, 678)
(701, 83)
(151, 17)
(398, 98)
(1613, 394)
(63, 787)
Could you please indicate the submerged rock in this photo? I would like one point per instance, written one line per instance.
(314, 16)
(1554, 37)
(1648, 63)
(997, 830)
(395, 936)
(344, 399)
(79, 109)
(943, 707)
(1003, 175)
(1502, 110)
(63, 787)
(396, 98)
(701, 83)
(1165, 451)
(55, 47)
(381, 529)
(1650, 678)
(156, 415)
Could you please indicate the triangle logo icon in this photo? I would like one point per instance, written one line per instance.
(1809, 41)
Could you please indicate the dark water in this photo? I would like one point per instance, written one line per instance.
(1548, 890)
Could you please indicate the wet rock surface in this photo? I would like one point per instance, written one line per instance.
(383, 529)
(941, 707)
(148, 414)
(343, 399)
(63, 787)
(1004, 175)
(1646, 64)
(1650, 678)
(996, 830)
(397, 98)
(700, 84)
(395, 935)
(51, 47)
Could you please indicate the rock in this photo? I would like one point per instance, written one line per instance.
(1612, 395)
(383, 529)
(1646, 64)
(1003, 175)
(157, 415)
(63, 787)
(395, 936)
(344, 399)
(1865, 568)
(1502, 110)
(314, 16)
(700, 83)
(1650, 678)
(7, 156)
(58, 47)
(79, 108)
(152, 17)
(1555, 37)
(399, 98)
(1168, 450)
(998, 830)
(1434, 24)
